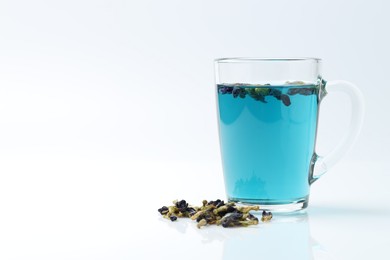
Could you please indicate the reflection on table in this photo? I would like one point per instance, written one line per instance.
(285, 237)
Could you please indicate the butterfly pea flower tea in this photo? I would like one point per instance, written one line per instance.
(268, 112)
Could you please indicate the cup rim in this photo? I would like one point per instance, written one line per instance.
(262, 59)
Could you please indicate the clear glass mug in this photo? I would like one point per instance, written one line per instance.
(268, 114)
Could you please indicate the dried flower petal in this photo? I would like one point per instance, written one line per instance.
(285, 99)
(163, 210)
(266, 216)
(181, 205)
(232, 220)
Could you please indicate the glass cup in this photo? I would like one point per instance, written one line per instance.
(268, 114)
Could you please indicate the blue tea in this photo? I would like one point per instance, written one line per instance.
(267, 137)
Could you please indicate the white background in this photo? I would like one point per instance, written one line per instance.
(107, 102)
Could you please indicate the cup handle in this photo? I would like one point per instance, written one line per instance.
(321, 164)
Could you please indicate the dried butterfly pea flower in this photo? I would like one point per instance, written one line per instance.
(171, 213)
(223, 210)
(253, 218)
(163, 210)
(262, 91)
(238, 92)
(173, 218)
(301, 91)
(204, 210)
(207, 218)
(197, 215)
(308, 91)
(217, 203)
(276, 93)
(225, 89)
(266, 216)
(191, 211)
(181, 205)
(183, 209)
(285, 99)
(170, 216)
(241, 217)
(256, 95)
(242, 93)
(237, 219)
(207, 215)
(172, 210)
(231, 220)
(214, 212)
(180, 209)
(293, 91)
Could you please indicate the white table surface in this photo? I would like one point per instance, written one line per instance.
(95, 207)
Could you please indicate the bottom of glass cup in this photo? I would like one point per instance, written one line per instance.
(279, 206)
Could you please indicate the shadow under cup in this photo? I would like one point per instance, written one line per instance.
(268, 113)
